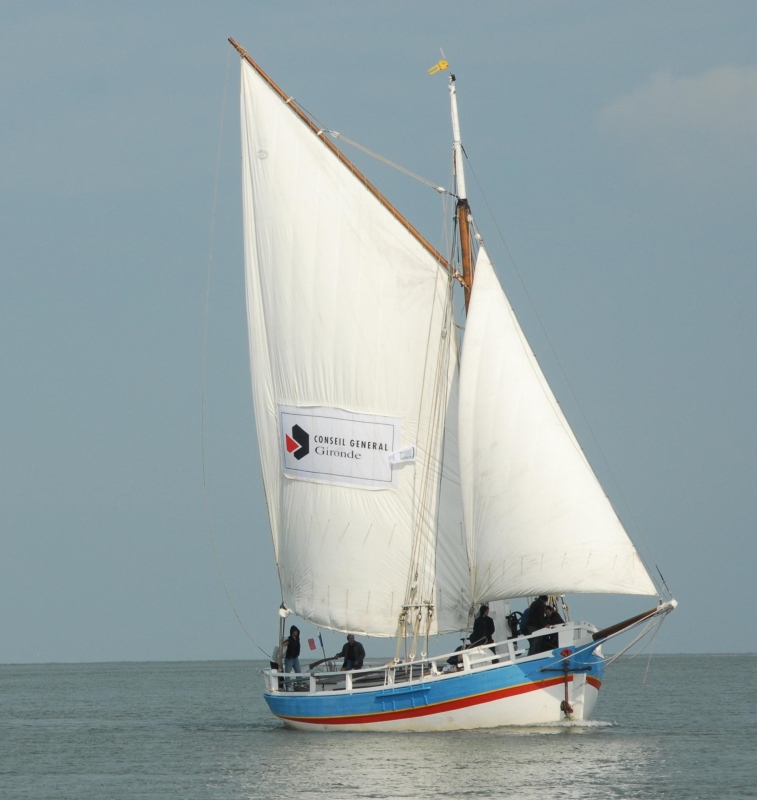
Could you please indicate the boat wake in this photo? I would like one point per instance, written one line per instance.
(573, 725)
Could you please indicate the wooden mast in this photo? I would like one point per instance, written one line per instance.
(466, 252)
(347, 163)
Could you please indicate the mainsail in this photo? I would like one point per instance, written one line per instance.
(387, 492)
(352, 351)
(536, 517)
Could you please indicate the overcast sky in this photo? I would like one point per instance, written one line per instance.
(616, 146)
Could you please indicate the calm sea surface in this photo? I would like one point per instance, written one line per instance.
(202, 730)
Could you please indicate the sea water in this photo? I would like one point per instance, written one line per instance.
(674, 727)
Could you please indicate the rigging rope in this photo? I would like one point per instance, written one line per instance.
(204, 367)
(420, 591)
(336, 135)
(649, 660)
(420, 587)
(383, 160)
(654, 625)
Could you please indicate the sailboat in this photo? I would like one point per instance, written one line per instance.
(410, 478)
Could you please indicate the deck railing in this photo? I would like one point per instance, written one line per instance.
(394, 675)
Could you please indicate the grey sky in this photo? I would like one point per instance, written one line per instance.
(616, 145)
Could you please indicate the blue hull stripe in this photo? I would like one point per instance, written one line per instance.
(423, 699)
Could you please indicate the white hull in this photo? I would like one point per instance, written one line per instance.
(536, 708)
(487, 690)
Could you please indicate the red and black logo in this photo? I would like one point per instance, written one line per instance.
(298, 444)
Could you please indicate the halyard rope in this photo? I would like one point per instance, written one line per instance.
(383, 160)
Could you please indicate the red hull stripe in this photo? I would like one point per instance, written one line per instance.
(437, 708)
(592, 681)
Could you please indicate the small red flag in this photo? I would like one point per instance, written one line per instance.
(311, 642)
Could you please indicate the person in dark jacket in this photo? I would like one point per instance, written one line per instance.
(552, 615)
(291, 653)
(537, 615)
(455, 660)
(353, 654)
(542, 615)
(483, 628)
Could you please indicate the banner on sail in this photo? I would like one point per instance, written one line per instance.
(330, 445)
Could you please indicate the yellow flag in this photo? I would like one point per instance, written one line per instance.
(438, 67)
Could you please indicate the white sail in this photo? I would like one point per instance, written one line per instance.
(350, 346)
(537, 519)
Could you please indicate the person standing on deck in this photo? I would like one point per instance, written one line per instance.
(292, 653)
(483, 628)
(537, 614)
(353, 654)
(538, 618)
(553, 617)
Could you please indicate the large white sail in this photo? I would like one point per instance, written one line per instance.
(537, 519)
(350, 347)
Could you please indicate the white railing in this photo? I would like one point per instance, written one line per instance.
(403, 673)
